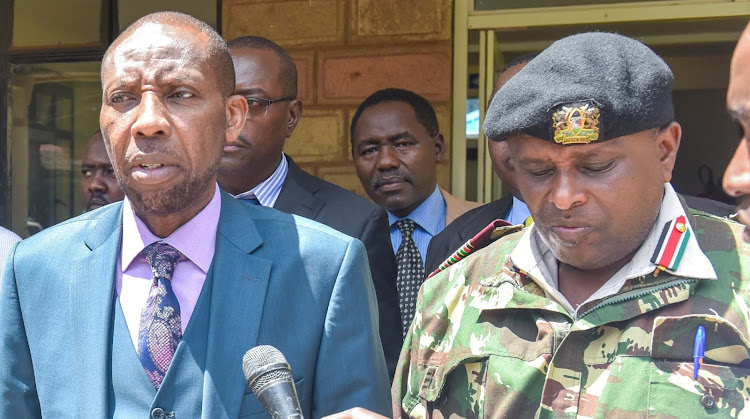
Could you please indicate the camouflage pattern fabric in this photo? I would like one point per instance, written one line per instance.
(486, 342)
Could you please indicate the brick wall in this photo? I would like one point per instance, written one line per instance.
(345, 50)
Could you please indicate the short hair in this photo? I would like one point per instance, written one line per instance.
(217, 51)
(287, 66)
(423, 111)
(521, 59)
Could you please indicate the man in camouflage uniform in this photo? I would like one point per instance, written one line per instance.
(595, 309)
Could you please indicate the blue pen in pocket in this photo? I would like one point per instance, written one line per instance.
(699, 350)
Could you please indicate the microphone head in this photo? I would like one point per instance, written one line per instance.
(270, 378)
(265, 364)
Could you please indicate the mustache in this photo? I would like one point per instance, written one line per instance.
(97, 198)
(244, 140)
(551, 216)
(384, 177)
(149, 147)
(741, 208)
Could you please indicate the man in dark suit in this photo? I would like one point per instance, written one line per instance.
(254, 167)
(396, 146)
(145, 307)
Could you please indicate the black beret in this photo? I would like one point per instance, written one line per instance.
(588, 87)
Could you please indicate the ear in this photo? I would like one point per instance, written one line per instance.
(295, 114)
(439, 147)
(669, 142)
(236, 114)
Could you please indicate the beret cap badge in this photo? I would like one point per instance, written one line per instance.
(576, 123)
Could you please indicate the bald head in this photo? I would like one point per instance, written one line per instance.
(507, 74)
(287, 69)
(513, 67)
(196, 36)
(499, 154)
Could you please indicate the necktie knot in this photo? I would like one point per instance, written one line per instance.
(162, 258)
(406, 227)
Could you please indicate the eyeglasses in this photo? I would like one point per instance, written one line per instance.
(258, 106)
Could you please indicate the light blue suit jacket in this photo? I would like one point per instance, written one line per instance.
(275, 279)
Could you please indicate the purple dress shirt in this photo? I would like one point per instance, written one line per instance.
(195, 239)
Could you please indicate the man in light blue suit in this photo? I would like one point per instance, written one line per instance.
(144, 308)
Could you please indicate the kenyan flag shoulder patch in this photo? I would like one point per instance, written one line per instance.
(672, 244)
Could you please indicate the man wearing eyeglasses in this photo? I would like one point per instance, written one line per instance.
(255, 168)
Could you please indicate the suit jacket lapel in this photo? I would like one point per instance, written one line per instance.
(488, 213)
(239, 281)
(296, 196)
(92, 285)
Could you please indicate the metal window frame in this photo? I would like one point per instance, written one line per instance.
(488, 22)
(10, 198)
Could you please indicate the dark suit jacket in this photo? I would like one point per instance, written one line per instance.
(462, 229)
(349, 213)
(719, 209)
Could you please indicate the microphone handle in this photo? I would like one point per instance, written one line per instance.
(280, 400)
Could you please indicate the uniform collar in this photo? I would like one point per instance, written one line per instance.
(532, 256)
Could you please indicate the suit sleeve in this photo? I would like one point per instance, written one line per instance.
(17, 384)
(351, 369)
(377, 241)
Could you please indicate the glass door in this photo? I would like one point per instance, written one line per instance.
(54, 111)
(696, 38)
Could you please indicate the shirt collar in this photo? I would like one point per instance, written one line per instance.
(268, 191)
(533, 257)
(518, 213)
(195, 239)
(429, 215)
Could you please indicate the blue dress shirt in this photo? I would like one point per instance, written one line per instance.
(518, 213)
(430, 219)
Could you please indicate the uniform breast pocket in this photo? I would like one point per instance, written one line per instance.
(487, 386)
(722, 387)
(251, 407)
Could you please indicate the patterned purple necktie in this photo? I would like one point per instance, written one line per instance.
(160, 330)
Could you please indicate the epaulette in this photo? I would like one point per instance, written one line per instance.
(489, 234)
(672, 243)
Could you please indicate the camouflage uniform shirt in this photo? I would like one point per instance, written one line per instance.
(489, 340)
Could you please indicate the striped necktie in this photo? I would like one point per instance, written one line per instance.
(410, 272)
(160, 329)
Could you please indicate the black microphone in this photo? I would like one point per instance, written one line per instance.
(270, 378)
